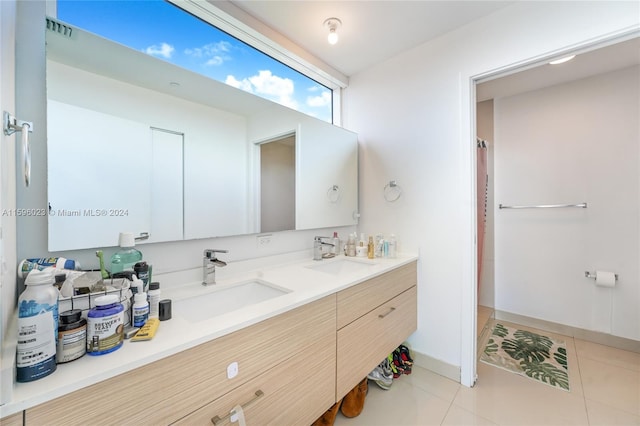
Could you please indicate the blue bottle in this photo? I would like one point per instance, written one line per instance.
(105, 326)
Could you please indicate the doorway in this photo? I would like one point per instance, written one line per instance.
(278, 184)
(526, 87)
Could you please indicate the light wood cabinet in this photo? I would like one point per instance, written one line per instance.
(356, 301)
(167, 390)
(13, 420)
(389, 303)
(291, 367)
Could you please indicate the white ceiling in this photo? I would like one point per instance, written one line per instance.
(373, 31)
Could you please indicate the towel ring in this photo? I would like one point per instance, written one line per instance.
(392, 191)
(333, 194)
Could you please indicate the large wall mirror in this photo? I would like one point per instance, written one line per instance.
(141, 145)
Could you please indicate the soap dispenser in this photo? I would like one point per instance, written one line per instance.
(127, 256)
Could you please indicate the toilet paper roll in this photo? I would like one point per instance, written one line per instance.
(605, 279)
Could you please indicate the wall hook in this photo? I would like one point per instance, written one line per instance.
(11, 125)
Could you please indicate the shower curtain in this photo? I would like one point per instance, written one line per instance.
(482, 183)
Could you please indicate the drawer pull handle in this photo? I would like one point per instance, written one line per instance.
(384, 315)
(217, 419)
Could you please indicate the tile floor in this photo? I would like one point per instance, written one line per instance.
(605, 390)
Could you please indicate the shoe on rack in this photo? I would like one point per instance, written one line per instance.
(394, 368)
(353, 402)
(382, 378)
(329, 416)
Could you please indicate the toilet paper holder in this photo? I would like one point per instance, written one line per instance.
(594, 275)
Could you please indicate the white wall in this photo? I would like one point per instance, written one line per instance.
(570, 143)
(413, 114)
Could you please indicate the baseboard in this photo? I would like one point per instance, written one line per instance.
(578, 333)
(439, 367)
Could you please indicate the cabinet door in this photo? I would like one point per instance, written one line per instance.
(371, 338)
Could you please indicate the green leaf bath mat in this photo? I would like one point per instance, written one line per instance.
(528, 354)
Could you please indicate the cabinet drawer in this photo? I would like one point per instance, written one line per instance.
(356, 301)
(295, 392)
(167, 390)
(364, 343)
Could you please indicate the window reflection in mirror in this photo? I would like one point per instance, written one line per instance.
(165, 31)
(278, 184)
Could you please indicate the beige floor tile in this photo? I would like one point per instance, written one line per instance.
(402, 405)
(508, 399)
(459, 417)
(431, 382)
(485, 313)
(603, 415)
(614, 386)
(608, 355)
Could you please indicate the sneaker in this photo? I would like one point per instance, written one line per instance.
(381, 376)
(405, 358)
(386, 369)
(393, 366)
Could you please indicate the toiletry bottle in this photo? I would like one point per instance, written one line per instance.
(379, 241)
(361, 250)
(59, 280)
(27, 265)
(370, 248)
(127, 256)
(140, 309)
(142, 271)
(137, 286)
(154, 300)
(351, 246)
(336, 244)
(72, 336)
(37, 327)
(393, 247)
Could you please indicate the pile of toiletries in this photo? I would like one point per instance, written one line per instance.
(65, 313)
(373, 247)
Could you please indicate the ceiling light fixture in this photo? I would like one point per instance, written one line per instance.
(333, 24)
(562, 60)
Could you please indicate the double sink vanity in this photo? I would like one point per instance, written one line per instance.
(283, 337)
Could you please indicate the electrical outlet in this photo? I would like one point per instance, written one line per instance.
(232, 370)
(263, 240)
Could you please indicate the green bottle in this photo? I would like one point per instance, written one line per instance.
(127, 256)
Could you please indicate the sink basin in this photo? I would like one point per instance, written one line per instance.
(226, 299)
(341, 266)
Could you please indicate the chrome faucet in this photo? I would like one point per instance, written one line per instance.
(317, 247)
(209, 262)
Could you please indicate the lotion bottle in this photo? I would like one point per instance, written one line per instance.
(336, 244)
(370, 248)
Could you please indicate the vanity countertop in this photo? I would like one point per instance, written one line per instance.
(294, 273)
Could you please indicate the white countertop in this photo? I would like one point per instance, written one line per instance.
(291, 272)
